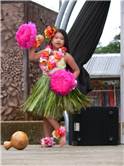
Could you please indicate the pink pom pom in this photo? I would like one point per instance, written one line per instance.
(62, 82)
(26, 35)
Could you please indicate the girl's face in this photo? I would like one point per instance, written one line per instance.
(58, 41)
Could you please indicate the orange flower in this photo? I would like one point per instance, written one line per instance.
(49, 32)
(51, 65)
(38, 41)
(55, 134)
(45, 54)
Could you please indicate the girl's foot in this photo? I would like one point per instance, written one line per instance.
(62, 141)
(60, 134)
(47, 142)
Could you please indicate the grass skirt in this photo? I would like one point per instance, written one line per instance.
(44, 102)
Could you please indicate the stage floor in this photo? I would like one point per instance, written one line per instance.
(34, 155)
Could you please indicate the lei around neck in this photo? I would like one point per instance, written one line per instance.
(49, 58)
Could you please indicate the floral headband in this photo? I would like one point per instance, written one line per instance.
(49, 32)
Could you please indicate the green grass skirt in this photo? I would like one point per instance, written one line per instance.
(44, 102)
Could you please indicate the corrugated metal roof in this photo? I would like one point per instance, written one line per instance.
(103, 65)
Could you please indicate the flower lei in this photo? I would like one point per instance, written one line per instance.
(49, 58)
(58, 133)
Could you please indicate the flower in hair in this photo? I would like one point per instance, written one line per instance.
(49, 32)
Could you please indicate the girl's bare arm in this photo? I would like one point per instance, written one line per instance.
(33, 56)
(71, 62)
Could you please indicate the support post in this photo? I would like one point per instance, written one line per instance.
(122, 74)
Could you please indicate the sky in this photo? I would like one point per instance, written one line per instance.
(112, 25)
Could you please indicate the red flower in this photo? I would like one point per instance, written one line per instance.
(64, 49)
(51, 65)
(60, 132)
(49, 32)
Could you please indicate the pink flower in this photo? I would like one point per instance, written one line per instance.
(58, 55)
(26, 35)
(47, 142)
(62, 82)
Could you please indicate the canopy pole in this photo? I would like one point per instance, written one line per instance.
(122, 74)
(61, 13)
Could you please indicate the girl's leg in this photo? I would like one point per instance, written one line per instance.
(47, 128)
(47, 141)
(54, 123)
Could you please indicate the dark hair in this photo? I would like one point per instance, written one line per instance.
(66, 41)
(66, 44)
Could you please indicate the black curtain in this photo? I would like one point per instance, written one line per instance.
(85, 34)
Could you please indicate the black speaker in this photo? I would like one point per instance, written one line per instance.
(94, 126)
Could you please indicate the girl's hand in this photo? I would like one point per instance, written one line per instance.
(76, 74)
(38, 41)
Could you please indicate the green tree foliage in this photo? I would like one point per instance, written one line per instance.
(112, 47)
